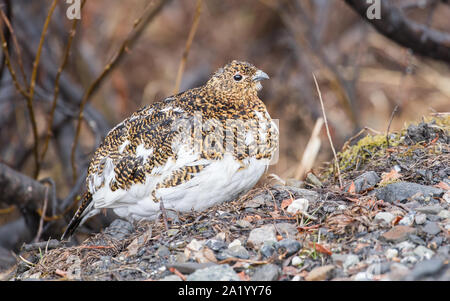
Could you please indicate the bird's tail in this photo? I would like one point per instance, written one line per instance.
(77, 218)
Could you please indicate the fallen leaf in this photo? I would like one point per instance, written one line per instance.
(442, 185)
(352, 188)
(320, 248)
(243, 276)
(390, 176)
(396, 220)
(178, 273)
(286, 203)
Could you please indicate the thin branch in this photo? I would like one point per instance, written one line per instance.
(8, 63)
(328, 132)
(198, 11)
(56, 87)
(6, 34)
(389, 125)
(138, 28)
(41, 221)
(31, 89)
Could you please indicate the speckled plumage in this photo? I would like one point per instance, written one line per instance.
(191, 150)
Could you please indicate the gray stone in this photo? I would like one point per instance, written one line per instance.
(310, 195)
(398, 234)
(215, 244)
(350, 261)
(391, 253)
(170, 278)
(267, 272)
(431, 209)
(366, 181)
(416, 239)
(267, 250)
(431, 228)
(402, 191)
(420, 219)
(398, 271)
(288, 246)
(259, 236)
(189, 267)
(384, 218)
(407, 220)
(425, 268)
(423, 252)
(445, 214)
(162, 251)
(119, 229)
(287, 230)
(379, 268)
(218, 272)
(236, 251)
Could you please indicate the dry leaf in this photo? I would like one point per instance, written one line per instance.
(390, 176)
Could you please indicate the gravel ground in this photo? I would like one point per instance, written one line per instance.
(390, 222)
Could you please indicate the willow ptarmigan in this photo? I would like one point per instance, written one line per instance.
(187, 152)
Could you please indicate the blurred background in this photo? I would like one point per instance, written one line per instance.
(363, 75)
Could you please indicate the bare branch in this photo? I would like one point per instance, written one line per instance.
(394, 25)
(138, 28)
(193, 30)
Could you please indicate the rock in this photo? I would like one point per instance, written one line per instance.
(431, 209)
(425, 268)
(384, 218)
(288, 246)
(320, 273)
(243, 223)
(379, 268)
(235, 251)
(350, 261)
(259, 236)
(431, 228)
(416, 239)
(296, 261)
(407, 220)
(267, 272)
(300, 193)
(398, 271)
(162, 251)
(363, 276)
(391, 253)
(287, 230)
(170, 278)
(218, 272)
(444, 214)
(398, 234)
(295, 183)
(402, 191)
(189, 267)
(405, 246)
(215, 244)
(423, 252)
(119, 229)
(420, 219)
(256, 202)
(235, 243)
(366, 181)
(298, 205)
(267, 250)
(312, 179)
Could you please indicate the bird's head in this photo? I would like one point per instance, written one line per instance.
(237, 81)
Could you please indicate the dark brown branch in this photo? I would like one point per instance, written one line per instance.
(394, 25)
(19, 189)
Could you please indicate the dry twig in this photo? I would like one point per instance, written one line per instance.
(198, 11)
(328, 132)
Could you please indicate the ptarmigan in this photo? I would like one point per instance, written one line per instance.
(189, 151)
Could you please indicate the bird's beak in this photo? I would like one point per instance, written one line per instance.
(260, 75)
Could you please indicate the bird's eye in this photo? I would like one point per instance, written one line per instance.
(237, 77)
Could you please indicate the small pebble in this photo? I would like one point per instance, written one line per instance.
(420, 219)
(423, 252)
(384, 218)
(288, 246)
(431, 228)
(391, 253)
(296, 261)
(267, 250)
